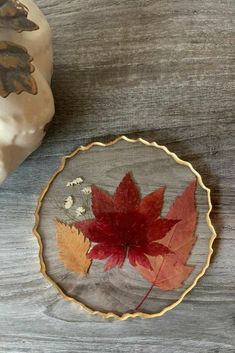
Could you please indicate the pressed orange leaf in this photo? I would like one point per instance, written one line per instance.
(170, 271)
(182, 237)
(72, 248)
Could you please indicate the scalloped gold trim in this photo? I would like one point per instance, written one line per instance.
(137, 314)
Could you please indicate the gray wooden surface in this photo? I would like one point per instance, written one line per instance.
(163, 70)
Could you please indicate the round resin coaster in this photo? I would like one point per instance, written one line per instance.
(124, 228)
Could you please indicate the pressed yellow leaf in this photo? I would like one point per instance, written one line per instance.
(72, 248)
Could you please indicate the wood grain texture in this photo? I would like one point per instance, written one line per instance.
(163, 70)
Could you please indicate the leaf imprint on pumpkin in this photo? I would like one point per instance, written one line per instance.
(72, 248)
(15, 70)
(14, 15)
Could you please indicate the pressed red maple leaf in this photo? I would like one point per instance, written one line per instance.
(125, 225)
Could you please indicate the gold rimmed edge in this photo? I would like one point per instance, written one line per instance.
(209, 223)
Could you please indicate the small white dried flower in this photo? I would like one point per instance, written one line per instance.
(86, 190)
(74, 182)
(80, 211)
(68, 202)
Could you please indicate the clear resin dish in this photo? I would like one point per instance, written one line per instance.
(124, 228)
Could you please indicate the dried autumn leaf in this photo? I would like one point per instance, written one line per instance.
(15, 70)
(13, 15)
(170, 271)
(72, 248)
(126, 225)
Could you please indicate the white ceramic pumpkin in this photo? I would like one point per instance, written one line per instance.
(24, 116)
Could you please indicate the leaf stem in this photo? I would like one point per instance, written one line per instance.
(145, 297)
